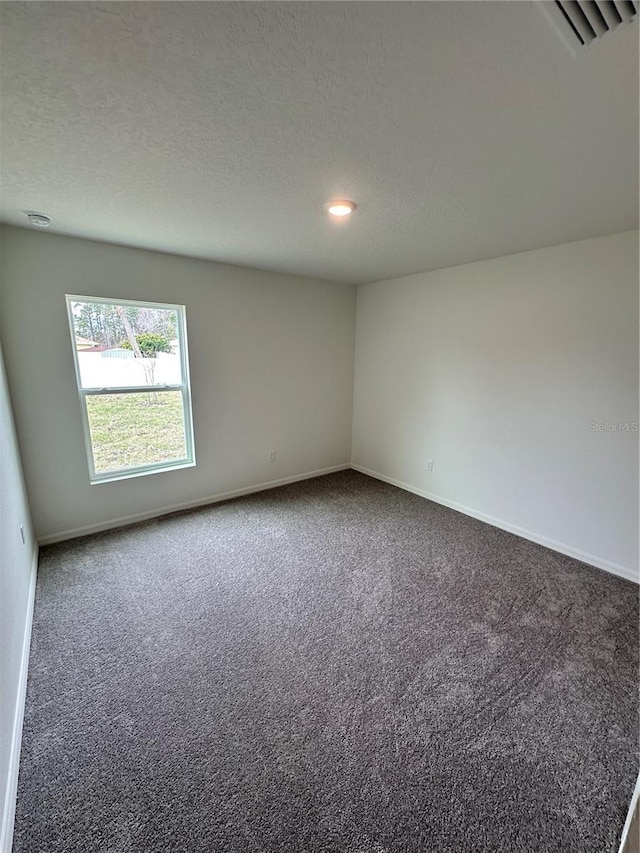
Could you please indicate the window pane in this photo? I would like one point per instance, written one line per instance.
(130, 430)
(120, 346)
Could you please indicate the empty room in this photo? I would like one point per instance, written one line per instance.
(319, 427)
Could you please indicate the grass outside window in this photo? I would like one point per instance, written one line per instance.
(131, 430)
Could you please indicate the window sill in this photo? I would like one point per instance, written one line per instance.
(130, 473)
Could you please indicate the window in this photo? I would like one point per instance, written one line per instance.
(132, 371)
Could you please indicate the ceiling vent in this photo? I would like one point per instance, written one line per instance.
(587, 21)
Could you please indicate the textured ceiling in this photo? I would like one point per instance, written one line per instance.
(463, 130)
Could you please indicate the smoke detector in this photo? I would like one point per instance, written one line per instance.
(39, 219)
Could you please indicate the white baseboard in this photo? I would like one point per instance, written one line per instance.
(593, 560)
(9, 806)
(627, 824)
(554, 545)
(211, 499)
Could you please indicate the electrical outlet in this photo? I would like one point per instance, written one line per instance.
(272, 456)
(429, 464)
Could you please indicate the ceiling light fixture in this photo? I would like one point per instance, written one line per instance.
(341, 207)
(40, 219)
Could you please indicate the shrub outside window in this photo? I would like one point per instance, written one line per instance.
(132, 372)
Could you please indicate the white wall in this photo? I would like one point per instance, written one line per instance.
(495, 370)
(271, 361)
(17, 581)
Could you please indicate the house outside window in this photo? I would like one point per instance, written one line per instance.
(132, 373)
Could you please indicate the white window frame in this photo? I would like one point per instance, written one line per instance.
(184, 387)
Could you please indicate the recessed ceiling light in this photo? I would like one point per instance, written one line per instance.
(40, 219)
(341, 207)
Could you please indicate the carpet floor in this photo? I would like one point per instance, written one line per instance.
(336, 665)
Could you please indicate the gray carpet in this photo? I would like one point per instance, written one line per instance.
(335, 666)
